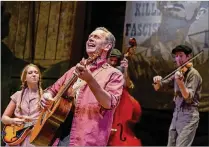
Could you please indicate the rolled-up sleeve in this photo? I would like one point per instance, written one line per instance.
(192, 85)
(59, 83)
(115, 87)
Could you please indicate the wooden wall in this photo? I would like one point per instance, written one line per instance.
(49, 34)
(41, 32)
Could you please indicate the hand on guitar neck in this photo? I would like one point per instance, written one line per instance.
(81, 71)
(19, 120)
(46, 100)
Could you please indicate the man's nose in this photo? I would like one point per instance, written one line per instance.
(113, 63)
(91, 38)
(178, 59)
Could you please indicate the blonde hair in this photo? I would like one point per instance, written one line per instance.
(24, 83)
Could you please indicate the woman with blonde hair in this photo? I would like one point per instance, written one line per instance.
(24, 104)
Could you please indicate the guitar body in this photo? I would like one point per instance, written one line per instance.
(48, 123)
(14, 135)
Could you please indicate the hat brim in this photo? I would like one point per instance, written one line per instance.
(117, 56)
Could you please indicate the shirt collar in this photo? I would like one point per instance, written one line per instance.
(97, 63)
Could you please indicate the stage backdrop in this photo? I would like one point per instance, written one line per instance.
(158, 27)
(42, 33)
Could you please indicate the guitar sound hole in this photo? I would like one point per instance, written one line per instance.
(20, 132)
(68, 98)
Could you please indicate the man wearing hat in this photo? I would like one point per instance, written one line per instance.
(128, 112)
(116, 60)
(187, 85)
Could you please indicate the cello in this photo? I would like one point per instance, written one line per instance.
(127, 114)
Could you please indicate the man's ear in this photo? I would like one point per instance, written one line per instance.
(108, 46)
(189, 56)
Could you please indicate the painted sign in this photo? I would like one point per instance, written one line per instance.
(158, 27)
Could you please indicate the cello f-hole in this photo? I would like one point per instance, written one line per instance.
(121, 132)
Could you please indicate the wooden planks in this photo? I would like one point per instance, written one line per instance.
(42, 30)
(54, 30)
(13, 9)
(65, 30)
(21, 29)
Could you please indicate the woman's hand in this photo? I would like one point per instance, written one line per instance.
(17, 121)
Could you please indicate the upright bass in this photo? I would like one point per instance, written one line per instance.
(126, 116)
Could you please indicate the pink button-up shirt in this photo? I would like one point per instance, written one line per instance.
(92, 123)
(29, 105)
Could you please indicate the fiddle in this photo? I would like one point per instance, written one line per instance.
(184, 67)
(183, 70)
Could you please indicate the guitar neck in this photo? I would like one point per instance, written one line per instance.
(65, 87)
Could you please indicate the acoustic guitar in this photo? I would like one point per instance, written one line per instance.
(15, 134)
(51, 119)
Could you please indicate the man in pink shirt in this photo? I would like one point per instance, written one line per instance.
(97, 93)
